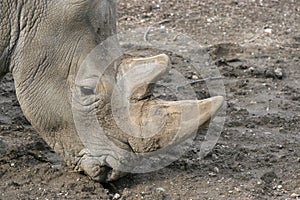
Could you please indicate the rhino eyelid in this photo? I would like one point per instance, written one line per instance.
(87, 90)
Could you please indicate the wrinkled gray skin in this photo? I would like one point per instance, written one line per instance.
(42, 43)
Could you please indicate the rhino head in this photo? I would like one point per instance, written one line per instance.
(96, 117)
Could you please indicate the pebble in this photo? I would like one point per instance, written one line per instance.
(295, 195)
(212, 174)
(209, 20)
(251, 69)
(259, 182)
(160, 193)
(267, 133)
(268, 30)
(116, 196)
(195, 77)
(160, 189)
(216, 170)
(278, 72)
(279, 146)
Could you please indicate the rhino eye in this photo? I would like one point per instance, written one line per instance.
(86, 90)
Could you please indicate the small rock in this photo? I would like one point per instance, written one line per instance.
(220, 180)
(116, 196)
(251, 69)
(279, 146)
(160, 193)
(268, 30)
(212, 174)
(160, 189)
(216, 170)
(259, 182)
(279, 187)
(295, 195)
(278, 72)
(209, 20)
(195, 77)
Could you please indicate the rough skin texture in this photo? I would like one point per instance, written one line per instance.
(65, 31)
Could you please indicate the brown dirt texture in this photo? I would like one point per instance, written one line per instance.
(255, 44)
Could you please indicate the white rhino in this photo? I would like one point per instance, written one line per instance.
(44, 43)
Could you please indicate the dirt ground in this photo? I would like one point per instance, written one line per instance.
(255, 44)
